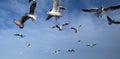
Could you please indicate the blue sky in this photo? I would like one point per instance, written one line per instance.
(44, 39)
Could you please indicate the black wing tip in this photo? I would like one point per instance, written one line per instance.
(84, 10)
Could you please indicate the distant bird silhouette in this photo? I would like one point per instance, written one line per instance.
(55, 11)
(100, 10)
(91, 45)
(76, 29)
(21, 35)
(61, 27)
(110, 21)
(56, 52)
(27, 16)
(70, 50)
(29, 45)
(80, 41)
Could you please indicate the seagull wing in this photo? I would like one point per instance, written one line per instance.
(56, 26)
(32, 7)
(109, 19)
(65, 24)
(93, 44)
(49, 16)
(90, 10)
(61, 8)
(112, 8)
(79, 25)
(55, 5)
(24, 18)
(16, 34)
(74, 29)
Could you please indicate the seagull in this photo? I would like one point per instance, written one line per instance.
(27, 16)
(55, 11)
(70, 50)
(29, 45)
(99, 11)
(91, 45)
(21, 35)
(80, 41)
(76, 28)
(56, 52)
(110, 21)
(61, 27)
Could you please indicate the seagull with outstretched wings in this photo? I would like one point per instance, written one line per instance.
(56, 52)
(27, 16)
(21, 35)
(70, 50)
(76, 29)
(91, 45)
(100, 10)
(61, 27)
(55, 11)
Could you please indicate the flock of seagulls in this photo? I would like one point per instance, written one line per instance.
(99, 12)
(55, 11)
(91, 45)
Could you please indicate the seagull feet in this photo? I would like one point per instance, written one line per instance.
(18, 23)
(33, 17)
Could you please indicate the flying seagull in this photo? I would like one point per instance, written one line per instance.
(56, 52)
(29, 45)
(79, 40)
(27, 16)
(110, 21)
(55, 11)
(61, 27)
(76, 29)
(91, 45)
(70, 50)
(99, 11)
(21, 35)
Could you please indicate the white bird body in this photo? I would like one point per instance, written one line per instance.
(33, 17)
(55, 14)
(56, 10)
